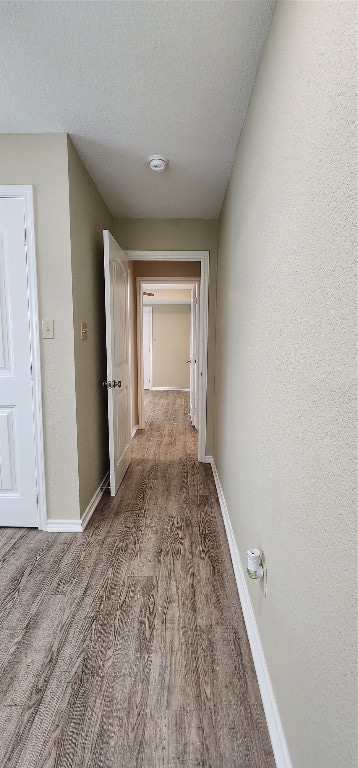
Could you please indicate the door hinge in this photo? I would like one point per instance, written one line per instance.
(31, 371)
(37, 498)
(25, 236)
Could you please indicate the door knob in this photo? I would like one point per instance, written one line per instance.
(111, 384)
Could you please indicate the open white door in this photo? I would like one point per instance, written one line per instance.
(18, 482)
(194, 352)
(117, 341)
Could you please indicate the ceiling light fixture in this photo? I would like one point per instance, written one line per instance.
(157, 163)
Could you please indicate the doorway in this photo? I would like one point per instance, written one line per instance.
(200, 356)
(170, 337)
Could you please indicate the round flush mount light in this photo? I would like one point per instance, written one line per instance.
(157, 163)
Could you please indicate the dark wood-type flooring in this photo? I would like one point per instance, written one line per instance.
(124, 646)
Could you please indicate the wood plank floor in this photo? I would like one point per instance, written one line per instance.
(125, 646)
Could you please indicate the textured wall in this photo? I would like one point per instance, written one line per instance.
(41, 160)
(178, 235)
(89, 216)
(170, 269)
(171, 345)
(285, 374)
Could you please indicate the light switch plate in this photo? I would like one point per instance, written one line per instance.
(83, 331)
(47, 329)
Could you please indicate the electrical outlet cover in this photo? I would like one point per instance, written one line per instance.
(47, 329)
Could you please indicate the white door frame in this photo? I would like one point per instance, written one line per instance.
(26, 193)
(203, 258)
(194, 343)
(149, 311)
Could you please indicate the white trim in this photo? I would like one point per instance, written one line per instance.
(166, 256)
(96, 498)
(26, 192)
(78, 526)
(134, 430)
(173, 284)
(203, 258)
(149, 312)
(64, 526)
(130, 342)
(140, 361)
(151, 302)
(170, 389)
(278, 741)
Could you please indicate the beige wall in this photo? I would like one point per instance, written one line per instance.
(167, 269)
(89, 216)
(69, 218)
(178, 235)
(171, 345)
(41, 160)
(285, 375)
(167, 234)
(167, 295)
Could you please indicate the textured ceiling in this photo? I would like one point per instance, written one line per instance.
(129, 79)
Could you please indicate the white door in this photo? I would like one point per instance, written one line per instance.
(194, 351)
(117, 341)
(18, 486)
(147, 347)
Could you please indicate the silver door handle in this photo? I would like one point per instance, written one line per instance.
(111, 384)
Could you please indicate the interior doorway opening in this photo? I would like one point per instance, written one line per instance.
(170, 334)
(187, 271)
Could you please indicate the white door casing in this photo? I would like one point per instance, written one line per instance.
(117, 342)
(197, 371)
(203, 258)
(194, 354)
(147, 346)
(18, 460)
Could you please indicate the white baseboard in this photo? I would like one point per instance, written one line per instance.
(277, 737)
(134, 429)
(64, 526)
(170, 389)
(94, 501)
(78, 526)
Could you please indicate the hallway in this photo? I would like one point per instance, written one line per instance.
(124, 646)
